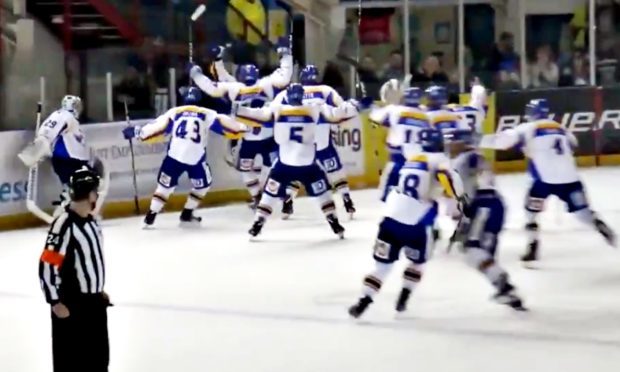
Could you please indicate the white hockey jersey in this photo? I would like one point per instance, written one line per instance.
(474, 113)
(188, 127)
(62, 131)
(423, 179)
(547, 145)
(254, 96)
(403, 125)
(445, 120)
(295, 127)
(475, 172)
(318, 95)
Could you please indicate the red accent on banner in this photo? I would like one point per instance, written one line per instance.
(375, 29)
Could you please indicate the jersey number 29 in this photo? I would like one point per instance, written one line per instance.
(182, 132)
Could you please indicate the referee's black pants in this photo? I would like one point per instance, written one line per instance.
(80, 341)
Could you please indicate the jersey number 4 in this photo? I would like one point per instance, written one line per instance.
(557, 146)
(182, 132)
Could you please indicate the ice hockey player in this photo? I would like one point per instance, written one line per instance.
(327, 154)
(549, 149)
(253, 92)
(479, 233)
(188, 127)
(411, 209)
(474, 112)
(61, 137)
(440, 115)
(295, 130)
(403, 123)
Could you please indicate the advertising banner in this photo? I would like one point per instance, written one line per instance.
(348, 140)
(574, 108)
(13, 174)
(609, 122)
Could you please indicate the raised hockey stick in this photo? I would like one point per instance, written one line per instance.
(197, 14)
(33, 175)
(133, 165)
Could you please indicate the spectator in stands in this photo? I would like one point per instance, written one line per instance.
(262, 62)
(333, 77)
(544, 72)
(508, 76)
(134, 90)
(368, 70)
(431, 72)
(575, 71)
(503, 56)
(394, 68)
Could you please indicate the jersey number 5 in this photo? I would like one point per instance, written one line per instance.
(182, 132)
(296, 134)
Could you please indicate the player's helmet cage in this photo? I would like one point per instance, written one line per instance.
(309, 75)
(248, 74)
(192, 96)
(412, 96)
(537, 109)
(73, 104)
(295, 94)
(431, 140)
(82, 183)
(437, 96)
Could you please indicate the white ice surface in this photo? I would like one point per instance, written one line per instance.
(209, 300)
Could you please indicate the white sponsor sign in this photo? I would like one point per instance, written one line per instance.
(13, 174)
(583, 121)
(348, 140)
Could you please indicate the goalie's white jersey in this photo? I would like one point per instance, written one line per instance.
(404, 124)
(255, 96)
(318, 95)
(423, 179)
(547, 145)
(188, 128)
(62, 131)
(295, 127)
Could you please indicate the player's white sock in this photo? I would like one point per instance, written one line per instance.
(327, 204)
(266, 205)
(338, 179)
(292, 190)
(586, 216)
(252, 183)
(160, 197)
(374, 280)
(482, 261)
(195, 197)
(412, 276)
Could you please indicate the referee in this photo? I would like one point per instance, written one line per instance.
(72, 274)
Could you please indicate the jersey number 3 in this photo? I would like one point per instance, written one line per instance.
(182, 132)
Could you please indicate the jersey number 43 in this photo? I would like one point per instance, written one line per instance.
(194, 130)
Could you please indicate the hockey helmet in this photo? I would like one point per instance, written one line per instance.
(248, 74)
(437, 96)
(192, 96)
(309, 75)
(431, 140)
(295, 94)
(412, 96)
(82, 183)
(73, 104)
(537, 109)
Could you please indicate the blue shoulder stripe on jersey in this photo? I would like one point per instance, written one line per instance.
(548, 131)
(421, 165)
(413, 122)
(188, 113)
(297, 119)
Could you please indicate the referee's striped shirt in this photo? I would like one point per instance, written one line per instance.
(72, 262)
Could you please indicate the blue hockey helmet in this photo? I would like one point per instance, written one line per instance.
(192, 96)
(459, 135)
(295, 94)
(537, 109)
(412, 96)
(309, 75)
(437, 96)
(248, 74)
(431, 140)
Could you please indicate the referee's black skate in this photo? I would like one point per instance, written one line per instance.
(403, 298)
(257, 227)
(506, 294)
(188, 219)
(360, 307)
(287, 208)
(337, 228)
(348, 205)
(149, 219)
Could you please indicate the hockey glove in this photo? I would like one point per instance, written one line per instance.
(193, 70)
(216, 52)
(131, 132)
(283, 46)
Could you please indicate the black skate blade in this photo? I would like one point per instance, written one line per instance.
(190, 224)
(531, 265)
(286, 216)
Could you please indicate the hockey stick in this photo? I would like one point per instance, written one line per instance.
(33, 174)
(197, 14)
(133, 165)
